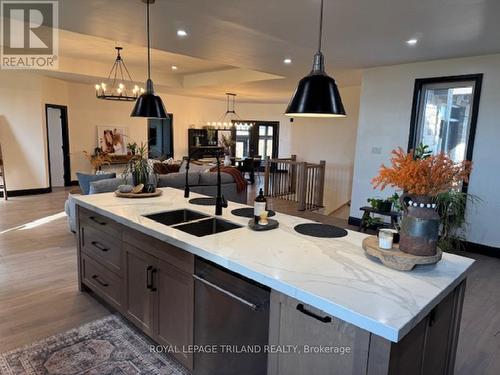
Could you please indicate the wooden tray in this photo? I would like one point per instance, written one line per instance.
(395, 258)
(273, 224)
(157, 193)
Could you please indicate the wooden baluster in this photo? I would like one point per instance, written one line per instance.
(321, 183)
(266, 176)
(302, 172)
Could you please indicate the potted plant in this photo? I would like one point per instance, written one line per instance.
(97, 159)
(131, 148)
(227, 143)
(422, 177)
(451, 208)
(383, 205)
(139, 167)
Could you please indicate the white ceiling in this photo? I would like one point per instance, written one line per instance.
(256, 35)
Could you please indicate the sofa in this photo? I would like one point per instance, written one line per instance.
(200, 182)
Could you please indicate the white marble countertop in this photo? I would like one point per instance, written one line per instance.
(333, 275)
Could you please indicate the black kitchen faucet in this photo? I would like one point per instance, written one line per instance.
(217, 152)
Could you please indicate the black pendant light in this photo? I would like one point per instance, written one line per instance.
(149, 104)
(317, 94)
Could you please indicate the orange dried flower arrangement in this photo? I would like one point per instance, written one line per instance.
(427, 176)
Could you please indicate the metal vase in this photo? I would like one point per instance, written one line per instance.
(419, 231)
(139, 177)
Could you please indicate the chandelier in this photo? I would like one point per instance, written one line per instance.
(117, 87)
(230, 118)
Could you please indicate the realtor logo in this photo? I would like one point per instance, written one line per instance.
(29, 34)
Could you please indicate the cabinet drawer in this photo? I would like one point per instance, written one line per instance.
(179, 258)
(100, 222)
(101, 246)
(102, 281)
(295, 323)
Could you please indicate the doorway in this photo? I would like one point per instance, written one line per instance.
(262, 139)
(161, 138)
(58, 145)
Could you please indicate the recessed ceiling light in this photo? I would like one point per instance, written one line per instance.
(174, 67)
(181, 32)
(412, 42)
(287, 61)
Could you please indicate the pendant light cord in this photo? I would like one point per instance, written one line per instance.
(149, 41)
(320, 27)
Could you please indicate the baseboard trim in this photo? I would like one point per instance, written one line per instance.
(477, 248)
(20, 193)
(355, 221)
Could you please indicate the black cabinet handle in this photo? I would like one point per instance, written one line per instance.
(99, 246)
(153, 273)
(432, 317)
(149, 277)
(96, 278)
(94, 219)
(303, 310)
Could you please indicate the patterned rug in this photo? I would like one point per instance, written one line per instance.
(107, 346)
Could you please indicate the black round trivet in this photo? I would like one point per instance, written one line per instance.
(203, 201)
(320, 230)
(248, 212)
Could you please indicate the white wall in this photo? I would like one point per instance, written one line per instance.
(384, 121)
(22, 131)
(23, 96)
(332, 140)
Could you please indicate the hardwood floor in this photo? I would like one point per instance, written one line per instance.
(38, 288)
(39, 295)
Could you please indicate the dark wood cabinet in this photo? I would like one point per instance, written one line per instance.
(174, 310)
(149, 281)
(139, 305)
(429, 348)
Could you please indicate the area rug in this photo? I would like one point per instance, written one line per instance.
(108, 346)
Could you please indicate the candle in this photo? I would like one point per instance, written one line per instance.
(385, 238)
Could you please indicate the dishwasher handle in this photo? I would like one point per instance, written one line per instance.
(253, 306)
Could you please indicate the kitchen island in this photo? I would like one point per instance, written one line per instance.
(324, 292)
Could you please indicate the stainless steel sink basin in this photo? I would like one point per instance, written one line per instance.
(176, 217)
(207, 226)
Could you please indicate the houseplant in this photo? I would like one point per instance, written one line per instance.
(451, 208)
(227, 143)
(422, 177)
(139, 167)
(383, 205)
(97, 159)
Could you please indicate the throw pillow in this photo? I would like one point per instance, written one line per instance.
(84, 180)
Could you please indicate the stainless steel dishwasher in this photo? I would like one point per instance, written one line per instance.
(232, 317)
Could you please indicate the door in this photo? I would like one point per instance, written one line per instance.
(260, 139)
(267, 144)
(140, 291)
(174, 310)
(58, 145)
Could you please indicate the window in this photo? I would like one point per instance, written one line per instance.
(265, 141)
(444, 115)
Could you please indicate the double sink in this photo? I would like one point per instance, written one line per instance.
(193, 222)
